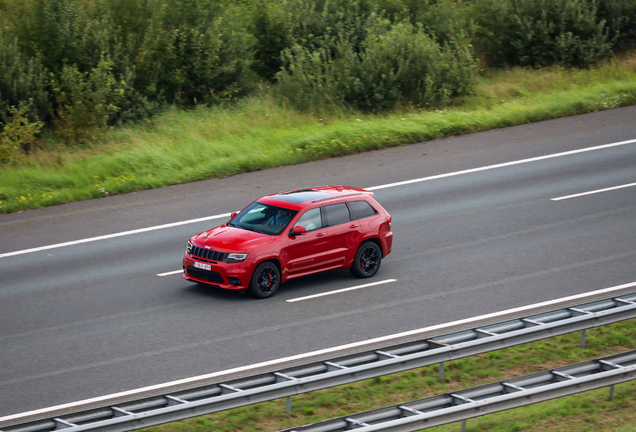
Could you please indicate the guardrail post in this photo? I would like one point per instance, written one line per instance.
(583, 338)
(463, 425)
(611, 395)
(288, 407)
(441, 370)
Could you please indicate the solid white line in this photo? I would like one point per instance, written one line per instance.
(501, 165)
(275, 362)
(593, 192)
(555, 155)
(340, 290)
(109, 236)
(170, 273)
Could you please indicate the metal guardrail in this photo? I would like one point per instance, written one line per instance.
(302, 379)
(487, 399)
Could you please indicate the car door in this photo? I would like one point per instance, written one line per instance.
(344, 234)
(307, 253)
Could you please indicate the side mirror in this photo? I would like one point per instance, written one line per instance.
(233, 215)
(298, 230)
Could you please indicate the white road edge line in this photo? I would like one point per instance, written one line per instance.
(169, 273)
(593, 192)
(501, 165)
(340, 290)
(109, 236)
(489, 167)
(101, 399)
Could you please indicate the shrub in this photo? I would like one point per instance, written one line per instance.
(194, 52)
(21, 79)
(541, 32)
(400, 66)
(55, 29)
(85, 101)
(406, 66)
(19, 133)
(272, 34)
(620, 16)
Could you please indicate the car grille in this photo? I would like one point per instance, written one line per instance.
(210, 276)
(209, 254)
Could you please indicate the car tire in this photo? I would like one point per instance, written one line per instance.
(367, 260)
(265, 280)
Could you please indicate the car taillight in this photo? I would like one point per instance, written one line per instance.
(389, 220)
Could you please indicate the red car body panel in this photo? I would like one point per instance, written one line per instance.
(329, 247)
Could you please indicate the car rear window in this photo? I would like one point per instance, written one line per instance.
(361, 209)
(337, 214)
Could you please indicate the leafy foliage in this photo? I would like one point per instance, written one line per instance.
(18, 133)
(85, 101)
(541, 32)
(394, 66)
(21, 79)
(328, 55)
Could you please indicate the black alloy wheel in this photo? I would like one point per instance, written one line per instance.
(367, 261)
(265, 280)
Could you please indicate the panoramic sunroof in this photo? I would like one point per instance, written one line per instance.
(302, 196)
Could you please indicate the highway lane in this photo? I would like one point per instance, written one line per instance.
(91, 319)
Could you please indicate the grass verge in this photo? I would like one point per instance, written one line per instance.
(590, 411)
(178, 147)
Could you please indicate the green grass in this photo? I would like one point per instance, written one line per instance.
(590, 411)
(255, 134)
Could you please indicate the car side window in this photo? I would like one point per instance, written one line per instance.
(337, 214)
(361, 209)
(311, 220)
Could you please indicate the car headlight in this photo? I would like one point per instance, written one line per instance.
(189, 247)
(235, 257)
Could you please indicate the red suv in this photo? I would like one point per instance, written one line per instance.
(292, 234)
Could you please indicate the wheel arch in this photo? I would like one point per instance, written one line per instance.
(374, 240)
(371, 239)
(275, 260)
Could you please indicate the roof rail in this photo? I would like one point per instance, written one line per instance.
(300, 189)
(337, 196)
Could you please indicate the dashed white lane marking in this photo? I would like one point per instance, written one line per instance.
(407, 182)
(340, 290)
(281, 361)
(593, 192)
(170, 273)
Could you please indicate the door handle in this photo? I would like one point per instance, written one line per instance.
(353, 226)
(320, 235)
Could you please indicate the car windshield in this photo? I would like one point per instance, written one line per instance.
(263, 218)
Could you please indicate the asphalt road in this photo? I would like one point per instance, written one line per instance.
(93, 318)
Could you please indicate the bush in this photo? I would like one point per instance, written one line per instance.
(272, 34)
(541, 32)
(400, 66)
(193, 52)
(406, 66)
(620, 16)
(19, 133)
(21, 79)
(56, 30)
(85, 101)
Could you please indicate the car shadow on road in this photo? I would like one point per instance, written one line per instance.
(303, 286)
(213, 293)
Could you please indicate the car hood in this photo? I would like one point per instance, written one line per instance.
(230, 239)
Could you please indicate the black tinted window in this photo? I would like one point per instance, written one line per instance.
(337, 214)
(361, 209)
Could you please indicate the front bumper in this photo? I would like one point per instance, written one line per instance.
(231, 276)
